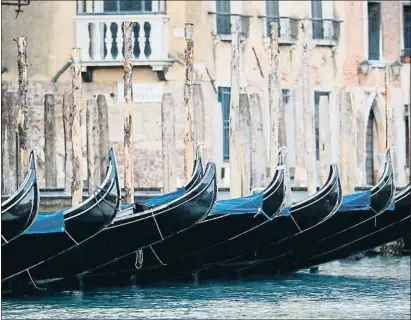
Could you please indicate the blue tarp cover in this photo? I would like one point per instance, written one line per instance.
(391, 207)
(285, 211)
(159, 200)
(47, 223)
(356, 201)
(243, 205)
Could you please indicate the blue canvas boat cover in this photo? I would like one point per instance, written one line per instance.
(47, 223)
(391, 207)
(356, 201)
(285, 211)
(245, 205)
(159, 200)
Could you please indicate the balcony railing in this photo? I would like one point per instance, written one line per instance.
(326, 30)
(100, 37)
(287, 31)
(223, 23)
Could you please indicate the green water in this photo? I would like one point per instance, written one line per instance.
(372, 288)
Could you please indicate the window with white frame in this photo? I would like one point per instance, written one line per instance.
(374, 30)
(223, 17)
(121, 6)
(323, 24)
(406, 21)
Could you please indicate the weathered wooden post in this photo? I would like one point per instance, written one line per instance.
(347, 153)
(282, 131)
(198, 109)
(258, 144)
(9, 110)
(244, 143)
(68, 143)
(128, 112)
(50, 141)
(274, 94)
(308, 113)
(103, 133)
(77, 180)
(188, 102)
(235, 168)
(93, 161)
(388, 109)
(23, 106)
(168, 138)
(325, 132)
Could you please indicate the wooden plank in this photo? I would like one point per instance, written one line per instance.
(274, 94)
(50, 142)
(198, 109)
(244, 141)
(128, 112)
(235, 161)
(258, 143)
(104, 144)
(9, 111)
(325, 132)
(77, 179)
(68, 144)
(168, 138)
(93, 159)
(188, 102)
(308, 114)
(23, 106)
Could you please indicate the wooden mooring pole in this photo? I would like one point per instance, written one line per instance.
(77, 180)
(23, 106)
(198, 110)
(50, 169)
(168, 138)
(93, 161)
(188, 103)
(128, 112)
(103, 134)
(325, 136)
(244, 143)
(274, 94)
(68, 143)
(388, 109)
(235, 162)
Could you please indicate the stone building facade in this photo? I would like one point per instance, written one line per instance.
(343, 34)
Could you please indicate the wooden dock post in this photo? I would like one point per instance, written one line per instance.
(9, 111)
(168, 138)
(77, 180)
(50, 141)
(188, 102)
(258, 144)
(244, 143)
(348, 167)
(388, 109)
(93, 161)
(128, 112)
(274, 94)
(68, 142)
(198, 109)
(325, 135)
(23, 106)
(235, 163)
(103, 133)
(308, 113)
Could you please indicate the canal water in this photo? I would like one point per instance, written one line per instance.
(371, 288)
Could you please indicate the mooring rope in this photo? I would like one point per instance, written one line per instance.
(155, 220)
(4, 239)
(158, 258)
(295, 222)
(71, 237)
(139, 259)
(34, 284)
(261, 211)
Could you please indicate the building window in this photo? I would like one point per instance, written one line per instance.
(407, 136)
(407, 30)
(223, 17)
(317, 95)
(273, 14)
(128, 6)
(374, 30)
(317, 16)
(224, 94)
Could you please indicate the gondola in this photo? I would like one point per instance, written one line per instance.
(53, 233)
(385, 227)
(131, 230)
(342, 226)
(19, 210)
(300, 217)
(211, 230)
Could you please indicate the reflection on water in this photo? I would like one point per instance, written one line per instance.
(370, 288)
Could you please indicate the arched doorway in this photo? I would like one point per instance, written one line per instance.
(369, 149)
